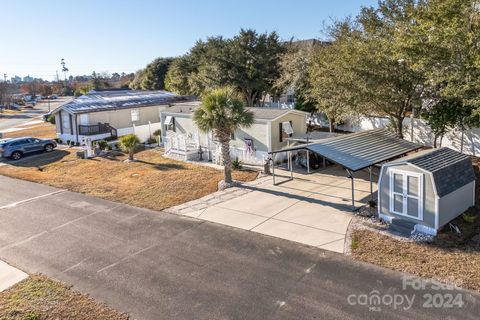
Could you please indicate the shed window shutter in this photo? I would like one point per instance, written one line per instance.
(280, 132)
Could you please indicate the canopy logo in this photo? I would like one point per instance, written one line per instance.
(439, 295)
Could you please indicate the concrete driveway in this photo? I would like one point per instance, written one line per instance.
(312, 209)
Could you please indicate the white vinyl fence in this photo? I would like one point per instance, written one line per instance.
(467, 142)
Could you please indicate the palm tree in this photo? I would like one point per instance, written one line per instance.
(223, 111)
(129, 142)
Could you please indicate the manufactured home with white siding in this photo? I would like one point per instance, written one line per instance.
(270, 131)
(102, 114)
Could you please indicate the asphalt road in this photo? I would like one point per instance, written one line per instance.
(8, 121)
(160, 266)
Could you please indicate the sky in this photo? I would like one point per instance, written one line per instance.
(125, 35)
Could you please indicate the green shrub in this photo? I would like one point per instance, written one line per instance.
(236, 165)
(129, 142)
(157, 133)
(101, 144)
(51, 119)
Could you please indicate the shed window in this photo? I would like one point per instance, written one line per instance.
(135, 114)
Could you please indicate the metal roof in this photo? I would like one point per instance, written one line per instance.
(96, 101)
(451, 170)
(357, 151)
(258, 113)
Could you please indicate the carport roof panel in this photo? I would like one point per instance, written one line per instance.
(360, 150)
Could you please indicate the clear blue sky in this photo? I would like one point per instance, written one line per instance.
(124, 35)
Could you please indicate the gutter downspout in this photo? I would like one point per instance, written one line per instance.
(76, 128)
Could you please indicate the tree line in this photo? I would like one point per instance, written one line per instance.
(397, 58)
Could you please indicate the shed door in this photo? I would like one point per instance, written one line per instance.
(406, 189)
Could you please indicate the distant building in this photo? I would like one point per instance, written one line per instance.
(15, 79)
(28, 79)
(287, 99)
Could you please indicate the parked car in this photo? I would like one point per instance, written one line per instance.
(18, 147)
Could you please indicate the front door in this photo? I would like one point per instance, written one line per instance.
(406, 189)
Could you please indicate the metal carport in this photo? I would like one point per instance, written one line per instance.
(355, 151)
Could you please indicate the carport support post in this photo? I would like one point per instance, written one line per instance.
(273, 168)
(371, 183)
(350, 175)
(308, 161)
(291, 164)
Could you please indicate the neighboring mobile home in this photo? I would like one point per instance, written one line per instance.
(101, 114)
(271, 130)
(426, 190)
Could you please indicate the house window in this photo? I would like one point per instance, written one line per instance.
(135, 114)
(285, 130)
(290, 98)
(406, 190)
(169, 124)
(66, 121)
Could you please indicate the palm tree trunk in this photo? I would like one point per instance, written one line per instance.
(227, 161)
(130, 153)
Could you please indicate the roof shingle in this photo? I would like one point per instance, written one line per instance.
(451, 170)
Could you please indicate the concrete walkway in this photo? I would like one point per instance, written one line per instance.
(312, 209)
(10, 276)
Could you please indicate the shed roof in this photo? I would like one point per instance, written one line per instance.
(96, 101)
(258, 113)
(451, 170)
(357, 151)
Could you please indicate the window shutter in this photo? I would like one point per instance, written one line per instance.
(61, 121)
(71, 123)
(280, 132)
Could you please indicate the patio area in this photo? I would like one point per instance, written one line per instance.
(313, 209)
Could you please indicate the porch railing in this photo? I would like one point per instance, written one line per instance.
(93, 129)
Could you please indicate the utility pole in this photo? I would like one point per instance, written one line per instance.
(5, 77)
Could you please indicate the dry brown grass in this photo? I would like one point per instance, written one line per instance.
(153, 182)
(41, 298)
(11, 111)
(459, 266)
(43, 130)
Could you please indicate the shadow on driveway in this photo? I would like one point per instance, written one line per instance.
(38, 159)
